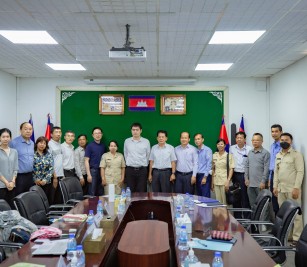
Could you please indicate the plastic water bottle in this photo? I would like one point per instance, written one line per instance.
(99, 207)
(180, 202)
(183, 238)
(90, 217)
(121, 206)
(123, 194)
(74, 261)
(190, 259)
(177, 223)
(186, 200)
(80, 256)
(217, 260)
(71, 246)
(128, 194)
(191, 202)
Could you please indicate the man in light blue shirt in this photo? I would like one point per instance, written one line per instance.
(203, 178)
(187, 165)
(25, 148)
(162, 164)
(276, 131)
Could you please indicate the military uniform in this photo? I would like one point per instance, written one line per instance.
(288, 174)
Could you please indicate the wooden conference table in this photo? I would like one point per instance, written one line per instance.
(245, 252)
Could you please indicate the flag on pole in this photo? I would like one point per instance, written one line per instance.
(241, 129)
(48, 128)
(31, 122)
(223, 134)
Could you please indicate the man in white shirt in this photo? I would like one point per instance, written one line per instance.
(68, 154)
(136, 152)
(240, 152)
(80, 162)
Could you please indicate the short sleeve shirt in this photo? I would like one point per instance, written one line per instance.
(220, 164)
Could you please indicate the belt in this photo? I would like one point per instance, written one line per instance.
(137, 168)
(184, 173)
(239, 172)
(70, 170)
(162, 170)
(24, 173)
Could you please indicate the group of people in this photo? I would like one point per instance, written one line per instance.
(181, 169)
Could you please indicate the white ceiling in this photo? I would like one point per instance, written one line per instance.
(175, 34)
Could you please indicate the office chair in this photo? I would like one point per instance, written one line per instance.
(4, 205)
(280, 229)
(257, 211)
(31, 206)
(58, 209)
(300, 249)
(72, 190)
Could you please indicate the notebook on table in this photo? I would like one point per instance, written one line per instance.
(56, 247)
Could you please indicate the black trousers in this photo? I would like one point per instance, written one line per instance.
(8, 196)
(58, 199)
(160, 180)
(69, 173)
(23, 182)
(238, 177)
(136, 178)
(49, 191)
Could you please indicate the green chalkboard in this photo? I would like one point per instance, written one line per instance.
(204, 111)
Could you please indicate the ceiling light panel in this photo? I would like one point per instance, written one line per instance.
(28, 37)
(235, 37)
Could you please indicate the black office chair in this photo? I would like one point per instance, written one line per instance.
(4, 205)
(30, 206)
(72, 190)
(257, 211)
(300, 249)
(280, 230)
(58, 209)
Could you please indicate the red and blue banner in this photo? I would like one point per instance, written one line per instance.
(48, 128)
(142, 103)
(241, 129)
(223, 134)
(31, 122)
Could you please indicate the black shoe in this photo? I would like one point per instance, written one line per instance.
(293, 244)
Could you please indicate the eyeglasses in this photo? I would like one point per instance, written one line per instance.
(97, 133)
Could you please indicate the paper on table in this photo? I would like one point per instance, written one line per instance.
(210, 205)
(210, 245)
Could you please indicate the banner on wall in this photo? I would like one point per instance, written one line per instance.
(142, 103)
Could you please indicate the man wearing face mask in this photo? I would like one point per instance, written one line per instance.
(288, 178)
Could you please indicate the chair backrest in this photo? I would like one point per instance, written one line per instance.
(283, 224)
(301, 249)
(30, 206)
(261, 204)
(4, 205)
(71, 189)
(42, 194)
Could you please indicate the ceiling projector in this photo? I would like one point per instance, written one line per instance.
(127, 52)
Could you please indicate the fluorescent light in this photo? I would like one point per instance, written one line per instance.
(28, 37)
(224, 66)
(235, 37)
(65, 66)
(140, 82)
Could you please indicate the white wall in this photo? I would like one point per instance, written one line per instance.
(246, 96)
(288, 96)
(8, 102)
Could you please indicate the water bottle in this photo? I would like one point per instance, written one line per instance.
(217, 260)
(71, 246)
(74, 262)
(128, 194)
(123, 195)
(177, 223)
(186, 200)
(191, 202)
(80, 256)
(90, 217)
(183, 238)
(190, 259)
(180, 202)
(99, 207)
(121, 207)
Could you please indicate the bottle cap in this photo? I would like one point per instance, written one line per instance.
(217, 254)
(91, 212)
(79, 247)
(71, 235)
(99, 201)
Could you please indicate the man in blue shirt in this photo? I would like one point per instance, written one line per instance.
(203, 178)
(93, 153)
(276, 131)
(25, 148)
(187, 165)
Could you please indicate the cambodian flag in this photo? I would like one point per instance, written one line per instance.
(241, 129)
(48, 128)
(31, 122)
(223, 135)
(142, 103)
